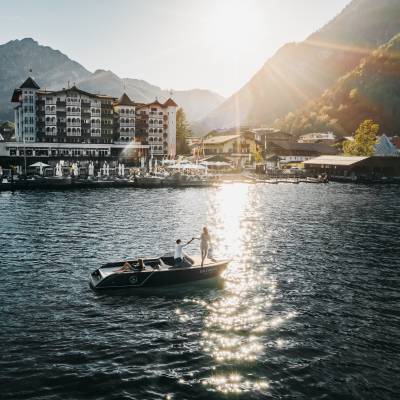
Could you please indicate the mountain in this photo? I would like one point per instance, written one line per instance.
(300, 72)
(370, 91)
(53, 70)
(196, 102)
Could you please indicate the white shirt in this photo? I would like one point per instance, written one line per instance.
(179, 250)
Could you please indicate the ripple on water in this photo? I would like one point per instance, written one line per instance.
(309, 308)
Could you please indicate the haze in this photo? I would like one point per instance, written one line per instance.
(181, 44)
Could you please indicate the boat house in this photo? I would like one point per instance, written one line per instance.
(351, 168)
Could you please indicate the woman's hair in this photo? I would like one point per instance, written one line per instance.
(205, 229)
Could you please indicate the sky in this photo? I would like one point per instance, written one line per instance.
(181, 44)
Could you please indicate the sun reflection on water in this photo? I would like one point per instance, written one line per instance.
(231, 323)
(236, 322)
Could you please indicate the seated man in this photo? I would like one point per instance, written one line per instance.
(181, 260)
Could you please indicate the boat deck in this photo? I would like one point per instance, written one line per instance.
(109, 270)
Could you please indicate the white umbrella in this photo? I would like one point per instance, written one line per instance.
(108, 170)
(39, 164)
(122, 169)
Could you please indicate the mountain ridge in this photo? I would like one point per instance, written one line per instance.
(53, 69)
(369, 91)
(300, 72)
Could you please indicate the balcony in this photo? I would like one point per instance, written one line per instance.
(52, 122)
(95, 134)
(78, 124)
(127, 134)
(95, 125)
(77, 133)
(50, 112)
(74, 113)
(73, 102)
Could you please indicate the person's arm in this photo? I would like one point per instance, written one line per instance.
(190, 241)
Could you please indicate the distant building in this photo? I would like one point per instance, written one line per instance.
(237, 147)
(291, 151)
(318, 137)
(264, 135)
(74, 123)
(7, 131)
(354, 168)
(384, 147)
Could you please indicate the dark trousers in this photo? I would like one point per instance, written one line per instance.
(182, 263)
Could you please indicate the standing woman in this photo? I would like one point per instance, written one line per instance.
(204, 244)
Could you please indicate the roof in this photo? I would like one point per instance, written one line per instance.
(335, 160)
(221, 139)
(291, 145)
(154, 103)
(385, 147)
(124, 100)
(29, 84)
(170, 103)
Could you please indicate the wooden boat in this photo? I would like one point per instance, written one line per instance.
(157, 272)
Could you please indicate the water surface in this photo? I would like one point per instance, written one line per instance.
(309, 308)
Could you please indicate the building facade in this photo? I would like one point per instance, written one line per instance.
(83, 123)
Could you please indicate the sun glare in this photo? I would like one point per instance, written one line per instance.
(230, 25)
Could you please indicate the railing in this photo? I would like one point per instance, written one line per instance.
(74, 123)
(74, 102)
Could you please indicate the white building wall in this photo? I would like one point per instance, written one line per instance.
(171, 131)
(28, 115)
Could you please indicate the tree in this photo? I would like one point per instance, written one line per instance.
(365, 138)
(183, 131)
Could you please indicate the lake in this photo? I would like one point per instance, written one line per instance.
(309, 309)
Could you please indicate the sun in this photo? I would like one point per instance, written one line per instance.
(229, 25)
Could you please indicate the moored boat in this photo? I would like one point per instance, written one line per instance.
(157, 272)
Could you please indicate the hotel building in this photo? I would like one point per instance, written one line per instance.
(73, 123)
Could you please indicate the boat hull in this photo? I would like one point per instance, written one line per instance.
(157, 278)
